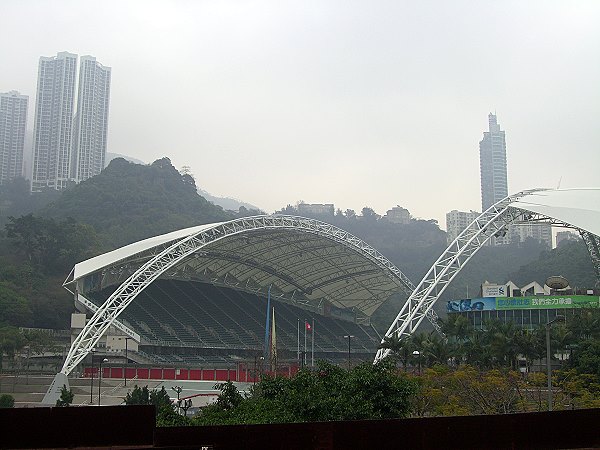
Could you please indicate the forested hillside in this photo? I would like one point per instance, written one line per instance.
(45, 234)
(128, 202)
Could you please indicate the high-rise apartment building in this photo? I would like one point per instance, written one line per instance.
(53, 124)
(492, 162)
(541, 232)
(91, 120)
(457, 221)
(13, 124)
(67, 147)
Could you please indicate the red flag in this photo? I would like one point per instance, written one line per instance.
(307, 325)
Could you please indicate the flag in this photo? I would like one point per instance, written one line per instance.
(307, 325)
(273, 343)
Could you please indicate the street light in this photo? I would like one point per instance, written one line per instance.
(548, 368)
(417, 353)
(92, 351)
(178, 389)
(100, 379)
(349, 337)
(262, 366)
(126, 361)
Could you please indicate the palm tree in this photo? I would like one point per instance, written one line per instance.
(530, 344)
(438, 351)
(476, 350)
(401, 349)
(501, 338)
(562, 337)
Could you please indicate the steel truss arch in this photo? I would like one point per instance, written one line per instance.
(592, 243)
(491, 223)
(180, 249)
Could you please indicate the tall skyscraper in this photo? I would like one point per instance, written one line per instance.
(53, 122)
(91, 119)
(494, 185)
(492, 162)
(13, 123)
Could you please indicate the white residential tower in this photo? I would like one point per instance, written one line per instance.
(53, 124)
(91, 120)
(13, 123)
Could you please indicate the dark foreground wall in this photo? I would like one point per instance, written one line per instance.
(133, 426)
(561, 429)
(86, 426)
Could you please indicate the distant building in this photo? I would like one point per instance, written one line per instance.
(399, 215)
(91, 120)
(541, 232)
(67, 147)
(492, 162)
(566, 236)
(316, 209)
(457, 221)
(13, 125)
(53, 124)
(528, 306)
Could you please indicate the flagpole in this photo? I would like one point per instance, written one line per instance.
(274, 345)
(312, 362)
(305, 333)
(298, 355)
(267, 330)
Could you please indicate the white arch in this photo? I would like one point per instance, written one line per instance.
(492, 222)
(182, 248)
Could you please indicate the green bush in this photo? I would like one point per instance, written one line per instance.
(6, 401)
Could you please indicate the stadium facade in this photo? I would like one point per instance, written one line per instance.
(199, 295)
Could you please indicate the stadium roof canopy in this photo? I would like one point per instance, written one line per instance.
(577, 207)
(302, 260)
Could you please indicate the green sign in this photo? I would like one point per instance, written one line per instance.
(548, 302)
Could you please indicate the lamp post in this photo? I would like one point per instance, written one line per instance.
(126, 361)
(417, 353)
(92, 380)
(254, 374)
(262, 366)
(349, 337)
(100, 378)
(178, 389)
(548, 365)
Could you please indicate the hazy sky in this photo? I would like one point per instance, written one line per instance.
(355, 103)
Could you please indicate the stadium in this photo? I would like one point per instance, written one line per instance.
(196, 303)
(204, 302)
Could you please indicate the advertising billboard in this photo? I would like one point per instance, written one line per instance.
(493, 290)
(511, 303)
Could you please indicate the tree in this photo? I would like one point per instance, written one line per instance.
(401, 349)
(138, 396)
(66, 397)
(328, 393)
(369, 214)
(586, 358)
(7, 401)
(49, 245)
(165, 411)
(230, 396)
(11, 341)
(14, 308)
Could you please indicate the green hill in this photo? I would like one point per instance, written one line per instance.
(128, 202)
